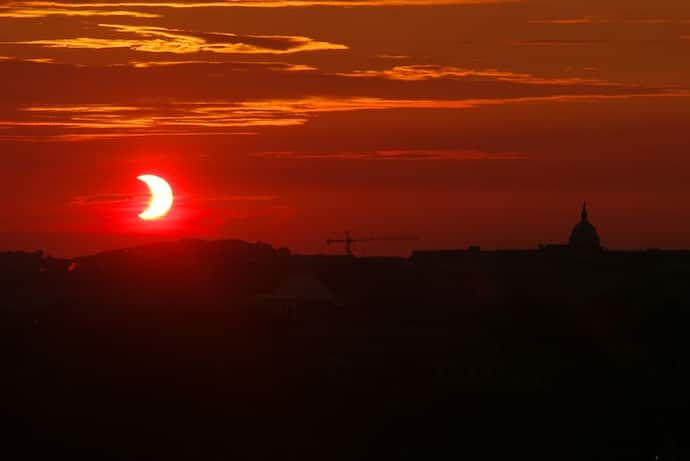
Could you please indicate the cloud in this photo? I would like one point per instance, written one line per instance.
(244, 4)
(102, 122)
(32, 13)
(396, 57)
(83, 109)
(431, 72)
(34, 60)
(76, 137)
(240, 198)
(121, 198)
(547, 42)
(42, 9)
(236, 65)
(92, 122)
(112, 198)
(163, 40)
(605, 20)
(398, 155)
(134, 81)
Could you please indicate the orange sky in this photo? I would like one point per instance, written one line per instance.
(462, 122)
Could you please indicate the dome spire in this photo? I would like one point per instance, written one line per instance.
(584, 236)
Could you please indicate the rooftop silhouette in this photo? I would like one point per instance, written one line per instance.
(584, 236)
(241, 350)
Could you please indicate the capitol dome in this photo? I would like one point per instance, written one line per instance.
(584, 235)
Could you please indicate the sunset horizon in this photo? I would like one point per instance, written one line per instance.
(462, 122)
(343, 230)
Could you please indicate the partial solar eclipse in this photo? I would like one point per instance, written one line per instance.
(161, 197)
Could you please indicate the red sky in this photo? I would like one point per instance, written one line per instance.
(461, 122)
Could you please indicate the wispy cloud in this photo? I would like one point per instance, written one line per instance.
(430, 72)
(110, 198)
(246, 3)
(34, 60)
(32, 13)
(163, 40)
(109, 136)
(89, 122)
(236, 65)
(123, 198)
(102, 122)
(228, 205)
(107, 109)
(555, 42)
(240, 198)
(398, 155)
(42, 9)
(606, 20)
(396, 57)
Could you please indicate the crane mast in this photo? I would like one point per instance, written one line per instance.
(349, 240)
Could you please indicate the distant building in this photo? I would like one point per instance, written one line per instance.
(295, 294)
(303, 288)
(21, 262)
(583, 242)
(584, 236)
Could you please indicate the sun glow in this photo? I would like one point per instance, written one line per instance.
(161, 197)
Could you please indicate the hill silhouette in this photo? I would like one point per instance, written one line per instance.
(233, 350)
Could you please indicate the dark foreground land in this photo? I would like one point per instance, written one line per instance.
(226, 350)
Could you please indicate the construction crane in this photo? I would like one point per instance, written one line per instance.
(348, 241)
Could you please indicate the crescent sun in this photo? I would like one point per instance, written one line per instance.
(161, 197)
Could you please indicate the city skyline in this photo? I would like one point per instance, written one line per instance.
(461, 122)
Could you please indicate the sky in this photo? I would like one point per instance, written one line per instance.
(458, 122)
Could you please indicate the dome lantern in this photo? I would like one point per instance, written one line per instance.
(584, 236)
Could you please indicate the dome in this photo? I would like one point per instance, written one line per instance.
(584, 235)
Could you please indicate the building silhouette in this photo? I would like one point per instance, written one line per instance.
(584, 236)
